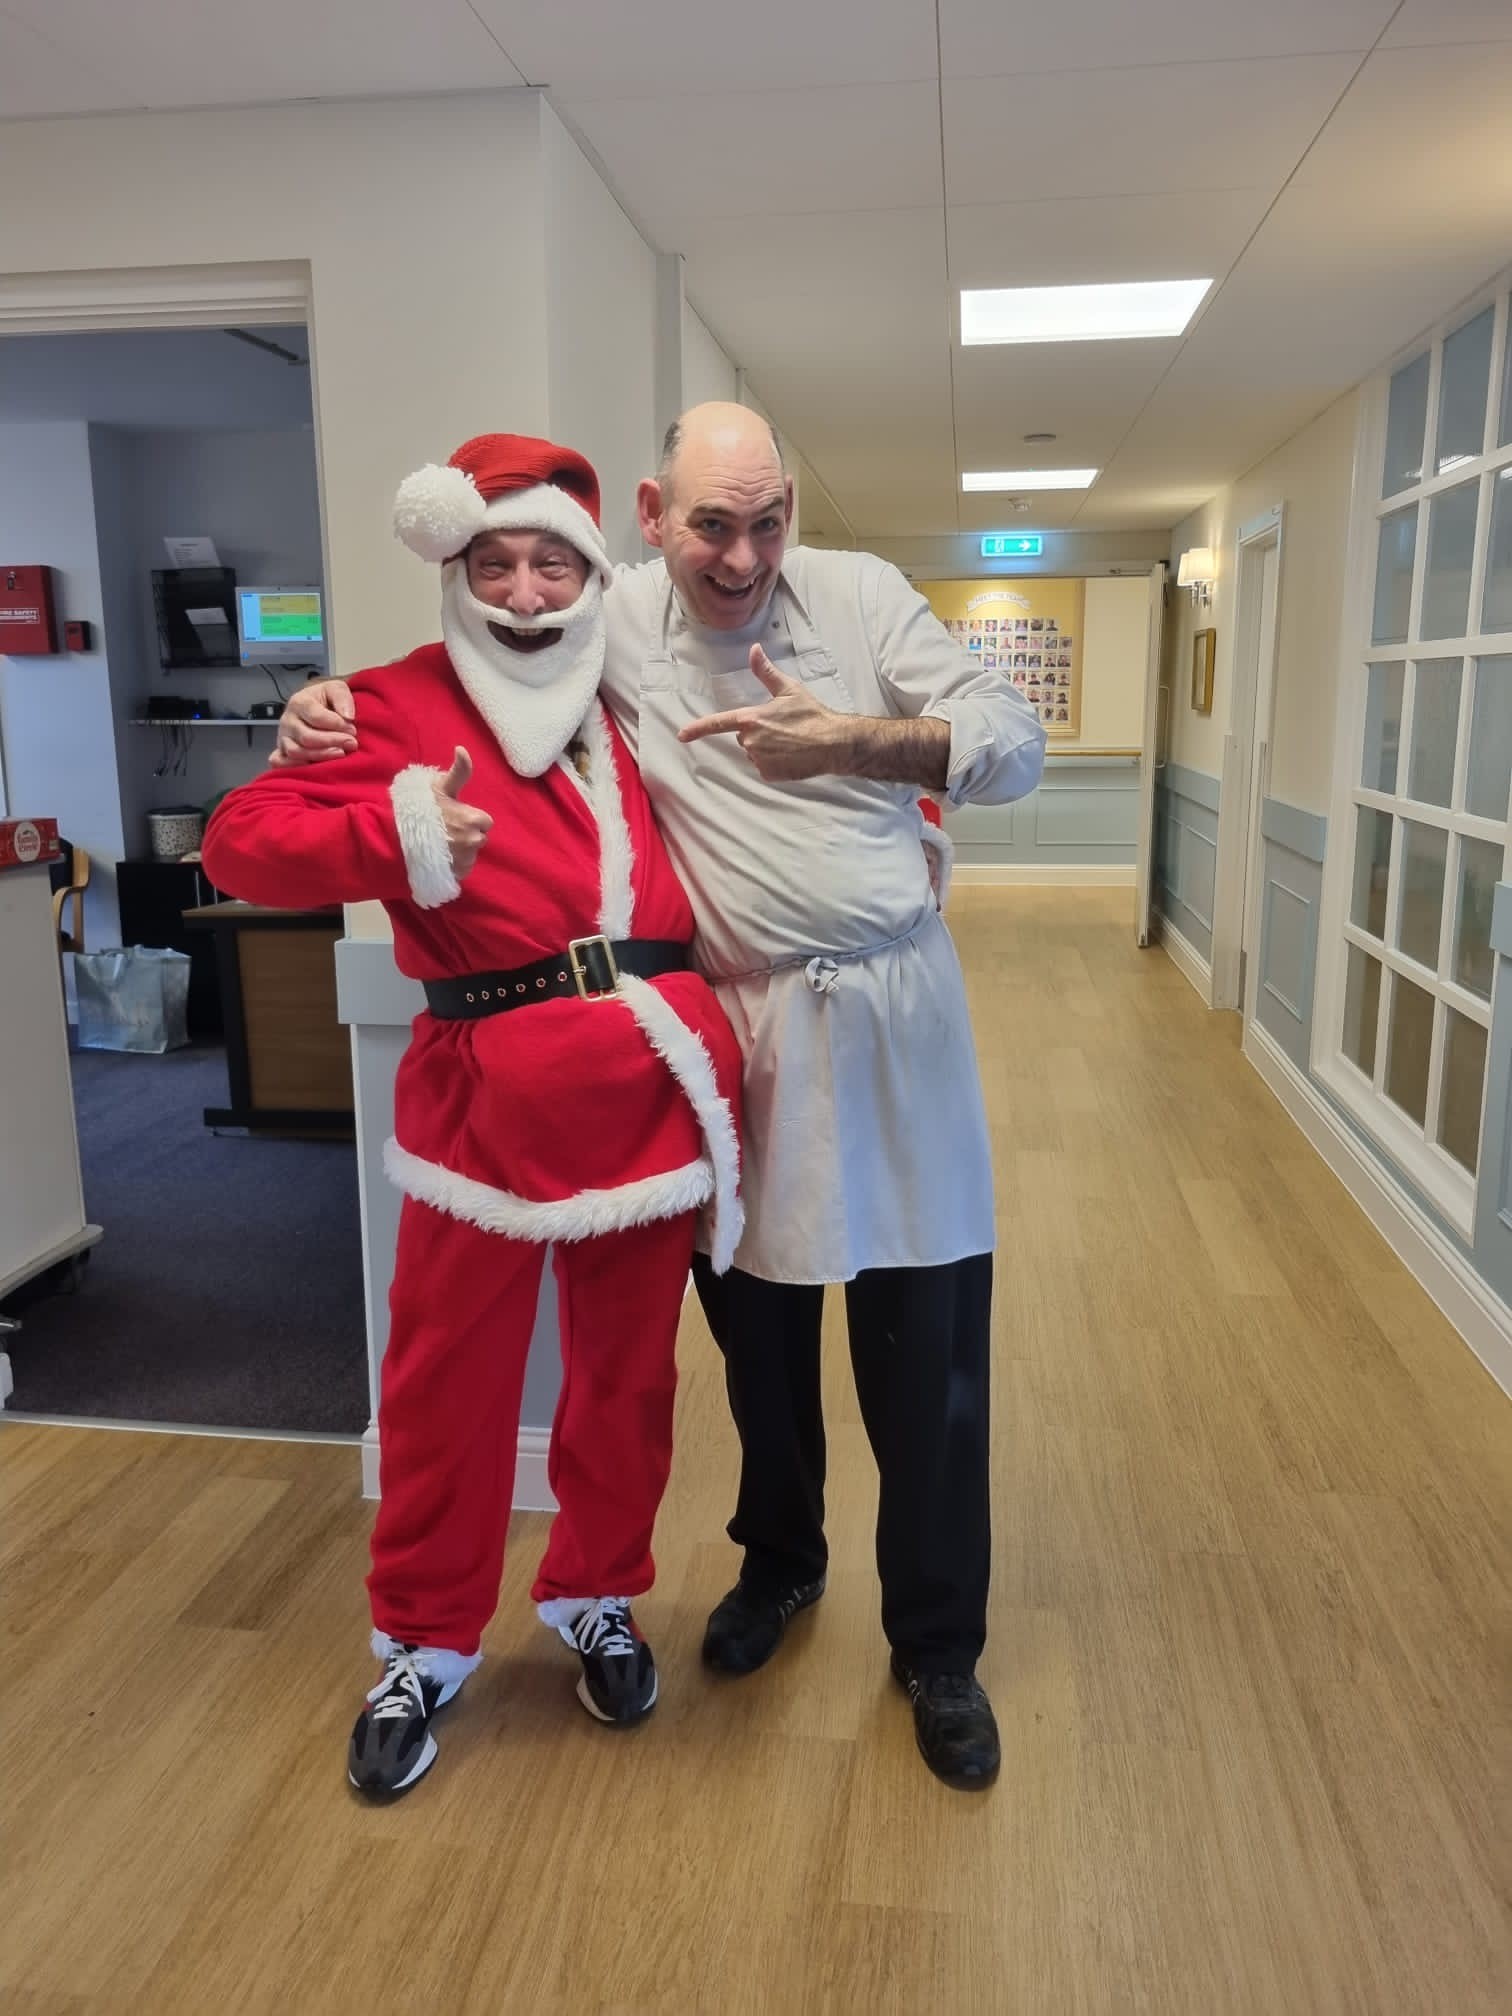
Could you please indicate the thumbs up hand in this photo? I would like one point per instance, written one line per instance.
(466, 827)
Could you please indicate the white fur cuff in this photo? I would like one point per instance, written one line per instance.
(422, 835)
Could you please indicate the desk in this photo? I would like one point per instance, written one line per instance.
(288, 1059)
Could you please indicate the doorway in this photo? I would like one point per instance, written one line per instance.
(227, 1291)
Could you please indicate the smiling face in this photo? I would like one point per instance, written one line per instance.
(720, 511)
(525, 574)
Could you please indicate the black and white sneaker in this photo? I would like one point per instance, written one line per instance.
(618, 1682)
(392, 1747)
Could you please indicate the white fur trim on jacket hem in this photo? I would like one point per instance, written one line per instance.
(939, 843)
(686, 1056)
(586, 1216)
(422, 835)
(450, 1668)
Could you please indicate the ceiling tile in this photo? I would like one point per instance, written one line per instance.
(1066, 241)
(1153, 132)
(864, 147)
(980, 38)
(1424, 22)
(39, 79)
(277, 49)
(606, 48)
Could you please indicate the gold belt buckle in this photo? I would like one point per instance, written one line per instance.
(580, 974)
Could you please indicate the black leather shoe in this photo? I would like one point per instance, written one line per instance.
(745, 1628)
(954, 1724)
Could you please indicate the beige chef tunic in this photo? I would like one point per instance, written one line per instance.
(866, 1141)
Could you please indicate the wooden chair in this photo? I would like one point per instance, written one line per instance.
(70, 878)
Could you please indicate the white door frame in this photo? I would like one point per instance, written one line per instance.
(1246, 762)
(1152, 754)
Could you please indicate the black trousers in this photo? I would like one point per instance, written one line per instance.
(919, 1342)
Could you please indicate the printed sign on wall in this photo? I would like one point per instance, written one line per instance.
(1029, 630)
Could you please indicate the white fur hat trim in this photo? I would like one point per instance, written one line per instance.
(438, 512)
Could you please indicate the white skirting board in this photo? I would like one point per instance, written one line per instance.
(1185, 957)
(1446, 1276)
(1044, 874)
(532, 1493)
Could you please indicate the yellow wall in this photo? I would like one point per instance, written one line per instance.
(1310, 476)
(1104, 617)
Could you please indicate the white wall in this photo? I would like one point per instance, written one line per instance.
(114, 478)
(1310, 475)
(601, 357)
(422, 332)
(707, 371)
(56, 727)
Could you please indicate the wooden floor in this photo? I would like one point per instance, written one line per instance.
(1249, 1642)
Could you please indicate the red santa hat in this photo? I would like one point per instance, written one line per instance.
(502, 482)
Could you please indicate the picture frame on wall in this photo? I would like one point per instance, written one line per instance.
(1204, 649)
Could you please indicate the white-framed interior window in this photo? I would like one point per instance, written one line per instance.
(1423, 777)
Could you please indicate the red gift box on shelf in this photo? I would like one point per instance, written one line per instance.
(23, 841)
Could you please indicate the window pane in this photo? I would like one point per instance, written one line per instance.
(1408, 1047)
(1362, 997)
(1462, 392)
(1435, 731)
(1372, 861)
(1383, 726)
(1451, 548)
(1425, 851)
(1463, 1089)
(1393, 589)
(1504, 432)
(1406, 417)
(1479, 872)
(1489, 783)
(1496, 603)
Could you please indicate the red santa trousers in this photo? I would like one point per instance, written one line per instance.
(462, 1311)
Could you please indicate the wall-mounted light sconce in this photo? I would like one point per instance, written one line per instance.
(1197, 573)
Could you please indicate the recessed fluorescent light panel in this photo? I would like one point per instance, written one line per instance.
(1079, 314)
(1028, 479)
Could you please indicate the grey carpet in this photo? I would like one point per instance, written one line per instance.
(227, 1291)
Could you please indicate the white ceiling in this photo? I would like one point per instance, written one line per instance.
(834, 174)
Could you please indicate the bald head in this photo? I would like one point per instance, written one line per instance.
(719, 508)
(718, 427)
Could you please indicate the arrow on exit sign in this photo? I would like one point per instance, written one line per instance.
(1012, 546)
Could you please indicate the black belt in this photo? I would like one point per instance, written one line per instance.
(589, 969)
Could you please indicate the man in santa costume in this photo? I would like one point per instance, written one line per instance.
(572, 1082)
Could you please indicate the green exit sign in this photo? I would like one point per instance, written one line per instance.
(1012, 545)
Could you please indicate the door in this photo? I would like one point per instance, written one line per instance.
(1154, 746)
(1265, 662)
(1246, 758)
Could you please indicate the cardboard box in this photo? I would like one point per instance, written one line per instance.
(23, 841)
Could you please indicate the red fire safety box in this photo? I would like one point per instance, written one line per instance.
(28, 626)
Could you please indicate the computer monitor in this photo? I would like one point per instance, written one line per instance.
(280, 626)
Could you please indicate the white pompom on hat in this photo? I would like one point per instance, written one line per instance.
(502, 482)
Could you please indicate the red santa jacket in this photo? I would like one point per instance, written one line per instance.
(556, 1121)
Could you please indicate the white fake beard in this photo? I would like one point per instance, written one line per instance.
(534, 701)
